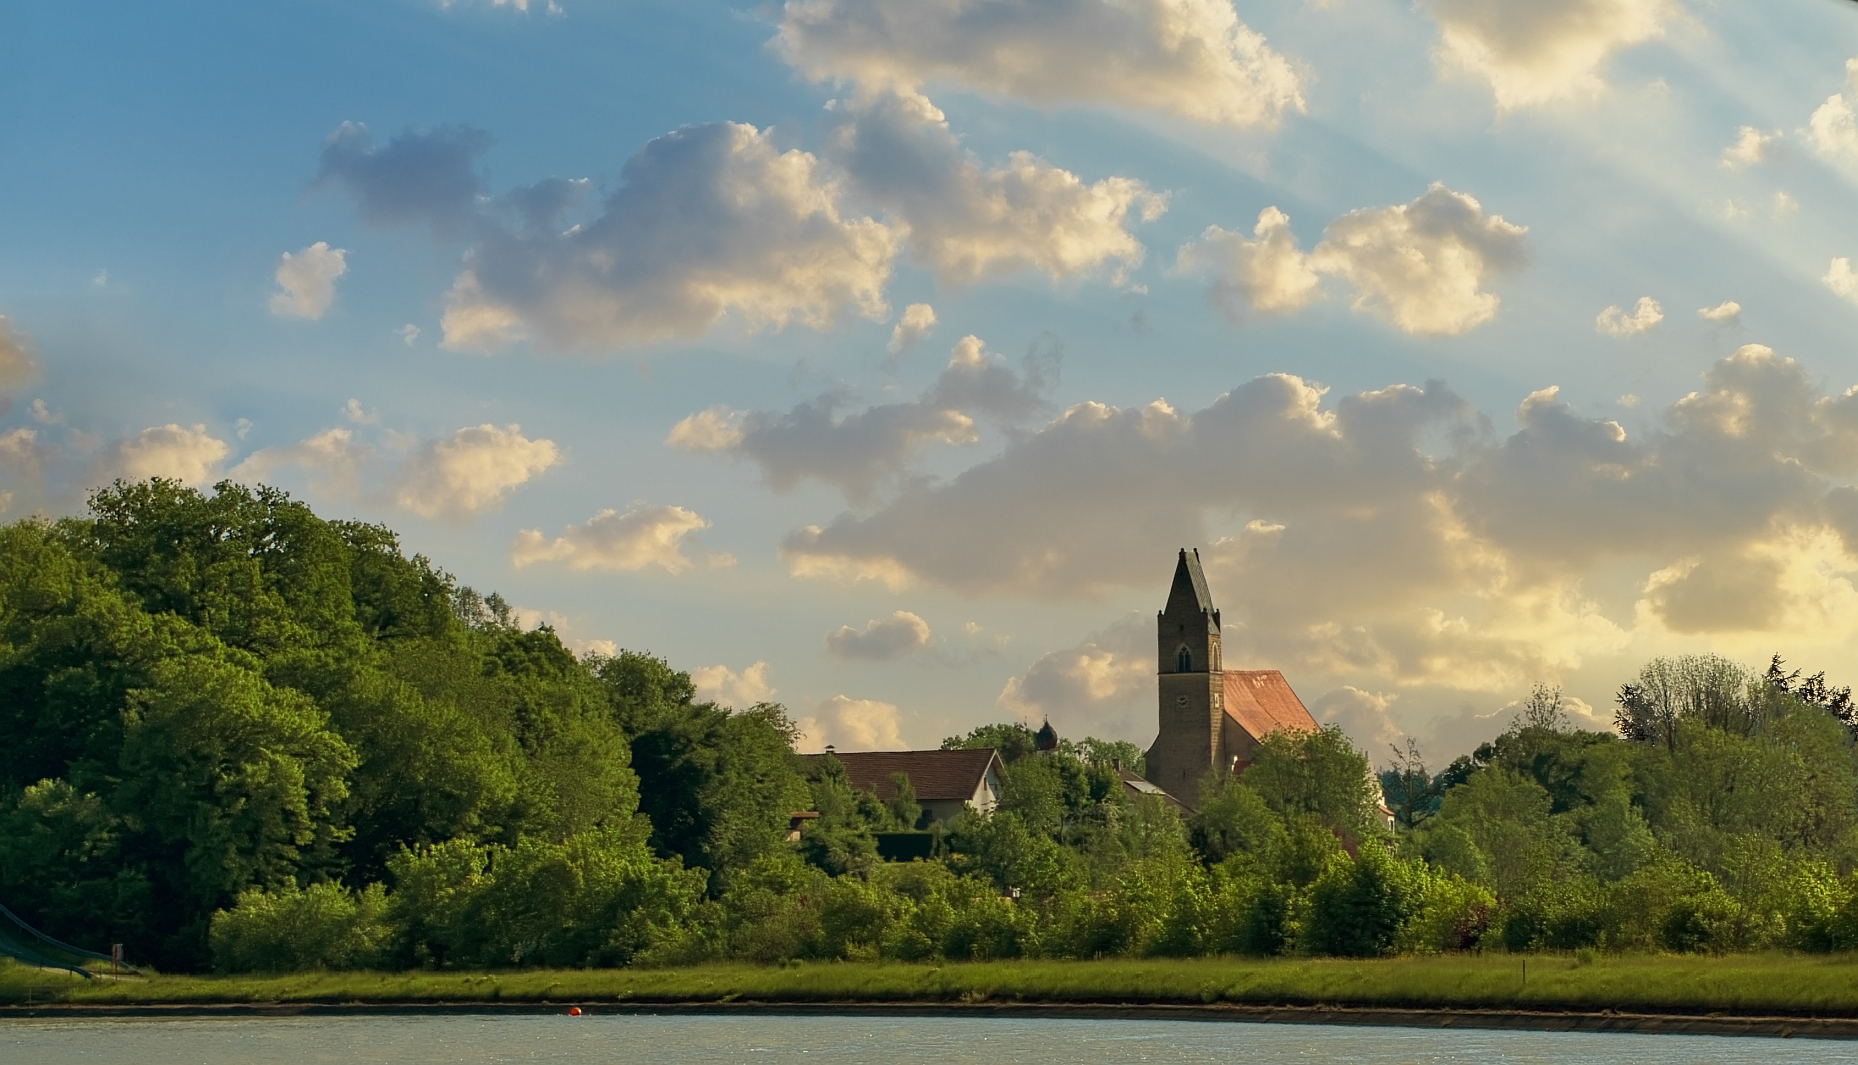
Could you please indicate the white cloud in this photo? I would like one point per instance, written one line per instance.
(1534, 53)
(970, 222)
(1104, 685)
(863, 452)
(1390, 538)
(471, 471)
(23, 456)
(1646, 314)
(1728, 312)
(1268, 274)
(853, 725)
(306, 281)
(1363, 716)
(720, 684)
(643, 536)
(182, 453)
(881, 640)
(408, 334)
(708, 221)
(1191, 58)
(917, 320)
(1833, 128)
(1841, 280)
(1420, 265)
(17, 366)
(333, 458)
(1751, 147)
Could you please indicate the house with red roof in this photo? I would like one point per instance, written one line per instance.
(945, 782)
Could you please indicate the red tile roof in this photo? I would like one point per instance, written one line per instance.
(934, 775)
(1261, 701)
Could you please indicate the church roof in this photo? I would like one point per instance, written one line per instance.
(1135, 785)
(1190, 583)
(1261, 701)
(934, 775)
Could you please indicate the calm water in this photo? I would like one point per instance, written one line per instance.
(596, 1040)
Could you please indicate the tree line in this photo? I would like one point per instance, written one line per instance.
(244, 737)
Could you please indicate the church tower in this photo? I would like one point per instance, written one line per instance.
(1191, 683)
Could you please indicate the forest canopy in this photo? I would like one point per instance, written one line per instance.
(241, 736)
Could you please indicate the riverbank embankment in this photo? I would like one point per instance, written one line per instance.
(1782, 995)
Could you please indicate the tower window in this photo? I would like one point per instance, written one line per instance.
(1184, 662)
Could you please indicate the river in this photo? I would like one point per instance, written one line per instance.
(816, 1040)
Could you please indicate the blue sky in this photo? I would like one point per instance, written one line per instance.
(653, 317)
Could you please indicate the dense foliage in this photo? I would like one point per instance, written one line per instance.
(244, 737)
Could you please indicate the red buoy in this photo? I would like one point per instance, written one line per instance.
(574, 1012)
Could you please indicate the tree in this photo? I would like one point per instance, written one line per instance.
(1012, 739)
(718, 786)
(1318, 773)
(1542, 710)
(1411, 792)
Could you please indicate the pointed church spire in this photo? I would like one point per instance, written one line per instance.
(1189, 588)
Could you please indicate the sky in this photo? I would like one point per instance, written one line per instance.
(876, 357)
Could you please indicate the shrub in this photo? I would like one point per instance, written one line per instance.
(1358, 908)
(323, 926)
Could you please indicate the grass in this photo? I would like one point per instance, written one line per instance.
(1744, 984)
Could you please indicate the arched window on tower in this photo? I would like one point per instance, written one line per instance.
(1184, 661)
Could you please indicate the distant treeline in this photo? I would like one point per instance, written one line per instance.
(243, 737)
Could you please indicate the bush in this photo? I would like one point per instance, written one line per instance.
(1709, 921)
(323, 926)
(1358, 908)
(1452, 914)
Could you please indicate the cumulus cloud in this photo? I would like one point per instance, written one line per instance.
(1841, 280)
(1646, 314)
(707, 221)
(1364, 716)
(643, 536)
(969, 222)
(471, 471)
(1393, 536)
(1534, 53)
(23, 455)
(1751, 147)
(1191, 58)
(881, 640)
(720, 684)
(334, 460)
(862, 452)
(306, 281)
(416, 177)
(912, 327)
(853, 725)
(1421, 265)
(1728, 312)
(1267, 274)
(188, 454)
(17, 365)
(1833, 128)
(1103, 685)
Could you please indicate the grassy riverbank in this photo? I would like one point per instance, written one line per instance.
(1750, 984)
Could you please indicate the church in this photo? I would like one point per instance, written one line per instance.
(1211, 716)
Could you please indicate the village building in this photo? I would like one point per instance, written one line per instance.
(945, 782)
(1210, 716)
